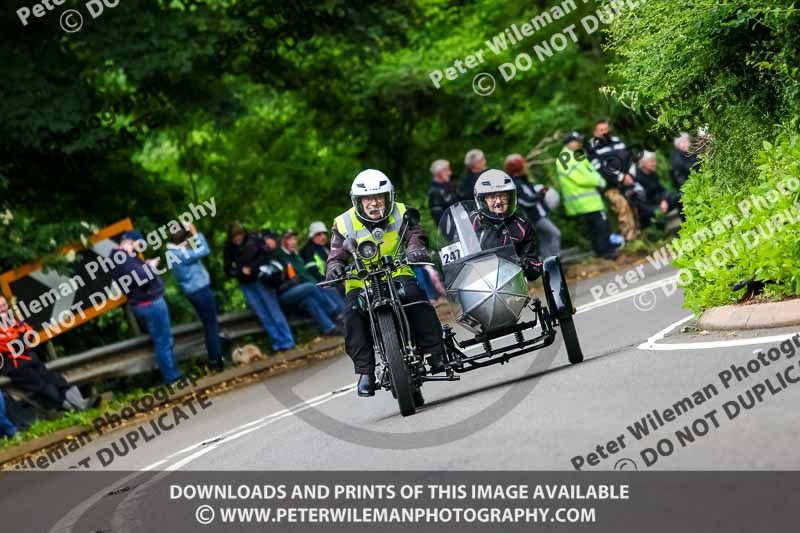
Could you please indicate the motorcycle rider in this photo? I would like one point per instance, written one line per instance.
(372, 195)
(497, 223)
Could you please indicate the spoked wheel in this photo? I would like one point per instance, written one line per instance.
(574, 351)
(401, 381)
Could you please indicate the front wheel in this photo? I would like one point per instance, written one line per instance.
(574, 351)
(401, 381)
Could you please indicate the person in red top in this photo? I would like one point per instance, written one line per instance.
(27, 372)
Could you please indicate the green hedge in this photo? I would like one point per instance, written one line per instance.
(752, 236)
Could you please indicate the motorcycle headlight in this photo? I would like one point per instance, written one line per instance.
(367, 250)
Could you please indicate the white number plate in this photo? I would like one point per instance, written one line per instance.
(450, 253)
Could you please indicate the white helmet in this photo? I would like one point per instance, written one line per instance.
(371, 183)
(552, 199)
(492, 182)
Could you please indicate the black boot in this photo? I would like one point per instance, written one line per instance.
(366, 384)
(436, 361)
(216, 365)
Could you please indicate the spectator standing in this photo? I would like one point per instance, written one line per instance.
(7, 427)
(441, 194)
(147, 303)
(27, 372)
(189, 247)
(682, 163)
(531, 198)
(315, 251)
(475, 161)
(611, 158)
(244, 254)
(580, 185)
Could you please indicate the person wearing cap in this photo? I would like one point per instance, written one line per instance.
(441, 194)
(531, 198)
(187, 249)
(612, 159)
(146, 301)
(244, 254)
(475, 161)
(580, 185)
(315, 251)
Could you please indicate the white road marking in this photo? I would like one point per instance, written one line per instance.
(672, 280)
(652, 343)
(67, 522)
(259, 423)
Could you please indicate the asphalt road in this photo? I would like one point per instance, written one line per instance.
(527, 414)
(537, 412)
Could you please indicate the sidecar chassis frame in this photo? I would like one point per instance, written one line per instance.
(460, 362)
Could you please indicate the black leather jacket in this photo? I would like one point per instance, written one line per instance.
(515, 230)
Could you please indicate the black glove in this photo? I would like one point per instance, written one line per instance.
(418, 255)
(335, 271)
(532, 266)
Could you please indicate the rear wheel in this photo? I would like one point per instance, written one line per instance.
(574, 351)
(401, 381)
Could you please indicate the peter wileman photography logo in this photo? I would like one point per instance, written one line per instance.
(518, 389)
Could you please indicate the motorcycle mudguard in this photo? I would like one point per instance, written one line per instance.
(555, 289)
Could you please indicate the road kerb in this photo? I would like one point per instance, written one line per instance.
(753, 316)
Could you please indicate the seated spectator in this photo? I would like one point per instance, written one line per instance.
(244, 254)
(299, 291)
(27, 372)
(531, 198)
(682, 163)
(147, 303)
(315, 251)
(7, 427)
(189, 248)
(441, 194)
(647, 194)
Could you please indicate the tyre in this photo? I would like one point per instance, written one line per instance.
(419, 399)
(401, 381)
(574, 351)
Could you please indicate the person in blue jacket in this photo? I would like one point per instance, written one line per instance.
(188, 248)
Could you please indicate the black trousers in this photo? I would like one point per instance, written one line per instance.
(46, 387)
(425, 326)
(599, 231)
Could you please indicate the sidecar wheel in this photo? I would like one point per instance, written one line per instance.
(401, 380)
(574, 351)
